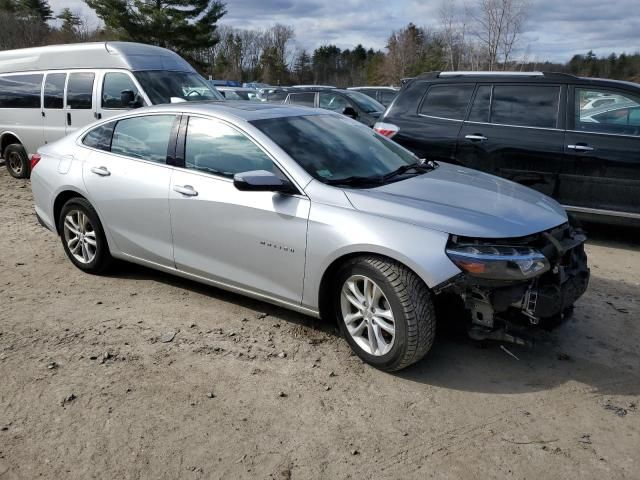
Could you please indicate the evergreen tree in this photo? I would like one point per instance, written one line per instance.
(35, 8)
(70, 23)
(181, 25)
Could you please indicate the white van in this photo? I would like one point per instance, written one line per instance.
(47, 92)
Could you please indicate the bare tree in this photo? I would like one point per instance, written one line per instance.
(499, 23)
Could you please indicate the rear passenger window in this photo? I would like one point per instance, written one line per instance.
(54, 90)
(80, 91)
(306, 99)
(607, 111)
(481, 105)
(525, 105)
(20, 91)
(216, 148)
(146, 138)
(113, 86)
(100, 137)
(386, 97)
(447, 101)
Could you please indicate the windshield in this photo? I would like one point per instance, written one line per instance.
(331, 148)
(365, 102)
(162, 85)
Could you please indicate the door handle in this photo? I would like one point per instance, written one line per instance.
(476, 137)
(581, 148)
(187, 190)
(69, 119)
(102, 171)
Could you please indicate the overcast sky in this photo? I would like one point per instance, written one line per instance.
(554, 30)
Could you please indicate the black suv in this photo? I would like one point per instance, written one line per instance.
(553, 132)
(350, 103)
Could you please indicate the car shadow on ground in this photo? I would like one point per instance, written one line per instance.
(571, 352)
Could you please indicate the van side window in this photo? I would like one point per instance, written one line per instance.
(146, 138)
(54, 90)
(525, 105)
(80, 91)
(100, 137)
(447, 101)
(20, 91)
(112, 87)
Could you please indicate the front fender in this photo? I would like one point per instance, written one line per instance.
(335, 232)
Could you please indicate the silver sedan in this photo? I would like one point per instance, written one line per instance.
(315, 212)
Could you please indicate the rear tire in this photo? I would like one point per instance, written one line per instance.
(374, 294)
(16, 160)
(83, 237)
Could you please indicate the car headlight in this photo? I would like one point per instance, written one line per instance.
(499, 262)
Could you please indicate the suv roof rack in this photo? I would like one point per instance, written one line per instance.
(485, 73)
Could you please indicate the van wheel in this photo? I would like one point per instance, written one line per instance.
(17, 161)
(385, 312)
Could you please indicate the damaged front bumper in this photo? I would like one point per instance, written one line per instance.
(518, 281)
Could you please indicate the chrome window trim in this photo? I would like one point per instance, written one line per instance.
(439, 118)
(605, 133)
(599, 211)
(515, 126)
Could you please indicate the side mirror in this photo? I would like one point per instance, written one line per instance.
(127, 97)
(262, 181)
(350, 112)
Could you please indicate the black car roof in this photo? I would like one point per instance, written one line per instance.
(522, 77)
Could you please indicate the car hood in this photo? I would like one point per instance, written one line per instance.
(464, 202)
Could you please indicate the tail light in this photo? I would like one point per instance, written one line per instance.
(35, 158)
(386, 129)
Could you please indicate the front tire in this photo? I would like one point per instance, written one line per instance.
(385, 312)
(83, 237)
(16, 160)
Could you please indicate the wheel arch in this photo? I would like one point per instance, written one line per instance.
(62, 198)
(325, 305)
(8, 138)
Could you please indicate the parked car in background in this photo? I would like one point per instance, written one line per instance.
(48, 92)
(353, 104)
(255, 85)
(532, 128)
(315, 212)
(383, 95)
(224, 83)
(313, 86)
(238, 93)
(602, 101)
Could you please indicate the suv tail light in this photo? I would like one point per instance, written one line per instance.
(386, 129)
(35, 158)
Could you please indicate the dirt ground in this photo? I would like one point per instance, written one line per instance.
(89, 389)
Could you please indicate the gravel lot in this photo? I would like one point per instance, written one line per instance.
(91, 386)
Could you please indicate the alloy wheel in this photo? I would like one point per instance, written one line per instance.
(15, 162)
(80, 236)
(367, 315)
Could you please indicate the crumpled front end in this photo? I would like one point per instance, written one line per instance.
(530, 280)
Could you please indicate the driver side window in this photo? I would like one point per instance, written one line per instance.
(113, 85)
(216, 148)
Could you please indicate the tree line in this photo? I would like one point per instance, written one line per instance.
(476, 35)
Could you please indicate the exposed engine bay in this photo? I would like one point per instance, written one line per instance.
(518, 281)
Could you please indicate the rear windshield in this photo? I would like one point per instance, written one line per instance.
(168, 87)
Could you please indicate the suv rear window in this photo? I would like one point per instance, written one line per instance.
(525, 105)
(447, 101)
